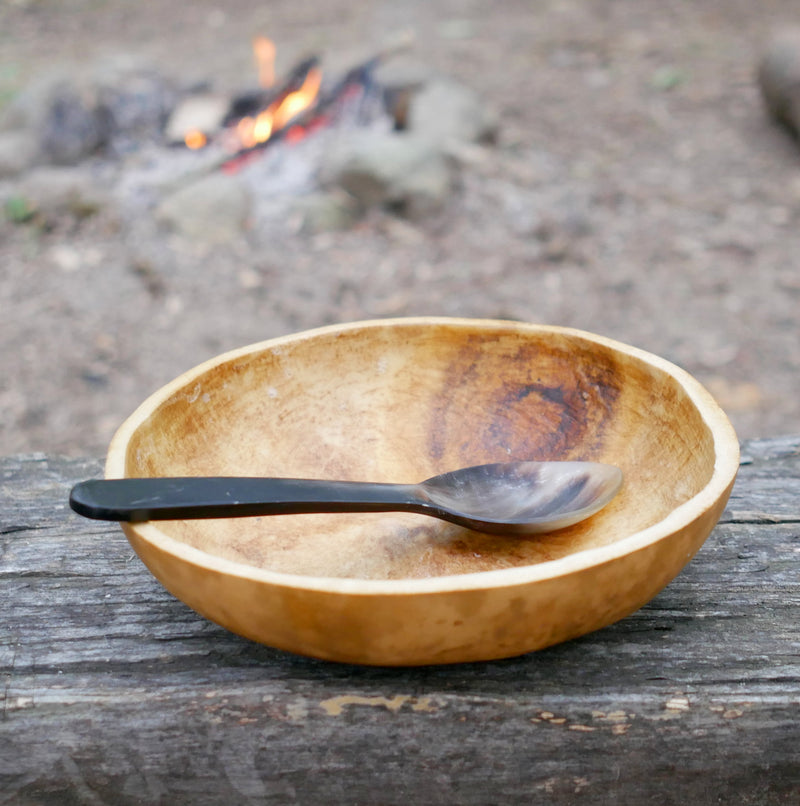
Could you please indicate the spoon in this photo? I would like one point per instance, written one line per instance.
(506, 498)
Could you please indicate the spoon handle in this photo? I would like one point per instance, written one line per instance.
(144, 499)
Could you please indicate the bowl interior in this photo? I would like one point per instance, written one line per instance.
(402, 401)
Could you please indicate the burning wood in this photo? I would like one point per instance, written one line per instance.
(258, 118)
(254, 119)
(253, 102)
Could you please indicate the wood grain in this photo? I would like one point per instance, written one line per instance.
(113, 692)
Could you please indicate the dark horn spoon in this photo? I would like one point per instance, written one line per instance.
(505, 498)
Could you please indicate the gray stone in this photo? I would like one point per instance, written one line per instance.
(422, 193)
(61, 116)
(73, 127)
(52, 192)
(400, 80)
(408, 174)
(214, 209)
(71, 114)
(444, 111)
(326, 211)
(135, 98)
(779, 78)
(18, 152)
(27, 109)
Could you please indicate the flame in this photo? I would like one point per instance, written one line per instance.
(295, 102)
(252, 130)
(195, 139)
(264, 52)
(258, 129)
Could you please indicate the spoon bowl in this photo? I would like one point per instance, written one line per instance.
(511, 498)
(522, 498)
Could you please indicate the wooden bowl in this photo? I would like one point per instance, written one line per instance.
(401, 400)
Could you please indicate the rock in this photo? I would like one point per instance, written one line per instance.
(26, 110)
(423, 192)
(202, 112)
(400, 80)
(405, 173)
(779, 78)
(326, 212)
(73, 127)
(134, 97)
(72, 115)
(60, 117)
(53, 192)
(18, 152)
(444, 110)
(214, 209)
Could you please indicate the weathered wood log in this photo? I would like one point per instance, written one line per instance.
(114, 692)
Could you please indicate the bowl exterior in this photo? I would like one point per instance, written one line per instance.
(422, 628)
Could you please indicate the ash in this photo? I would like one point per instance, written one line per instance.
(276, 174)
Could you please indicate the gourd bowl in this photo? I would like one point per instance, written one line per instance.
(400, 400)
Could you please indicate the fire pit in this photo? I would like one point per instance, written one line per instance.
(326, 147)
(288, 110)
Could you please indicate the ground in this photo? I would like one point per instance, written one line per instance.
(638, 190)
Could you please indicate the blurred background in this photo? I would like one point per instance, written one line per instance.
(610, 166)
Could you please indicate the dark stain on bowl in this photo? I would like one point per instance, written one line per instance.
(504, 400)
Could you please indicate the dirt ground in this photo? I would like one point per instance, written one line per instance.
(638, 190)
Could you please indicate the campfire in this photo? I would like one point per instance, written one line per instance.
(333, 144)
(290, 109)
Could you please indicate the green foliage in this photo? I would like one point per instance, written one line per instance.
(19, 210)
(667, 78)
(9, 81)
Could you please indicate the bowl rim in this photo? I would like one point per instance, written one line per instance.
(726, 464)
